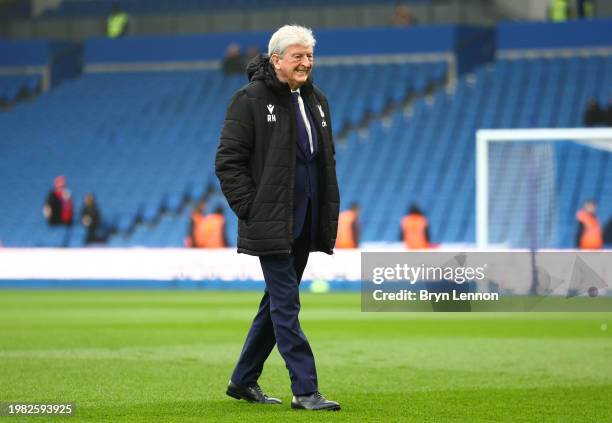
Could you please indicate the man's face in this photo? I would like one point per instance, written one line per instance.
(295, 66)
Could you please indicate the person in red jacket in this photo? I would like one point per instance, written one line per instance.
(590, 235)
(59, 208)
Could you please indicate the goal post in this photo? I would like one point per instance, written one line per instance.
(529, 157)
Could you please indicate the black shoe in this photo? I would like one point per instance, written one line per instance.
(251, 393)
(314, 401)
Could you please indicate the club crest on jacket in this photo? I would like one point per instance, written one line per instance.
(323, 123)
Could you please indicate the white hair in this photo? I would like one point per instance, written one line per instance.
(290, 35)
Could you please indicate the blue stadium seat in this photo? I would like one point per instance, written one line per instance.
(153, 144)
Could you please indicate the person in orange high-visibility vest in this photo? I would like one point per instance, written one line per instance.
(195, 235)
(206, 231)
(213, 230)
(590, 235)
(348, 228)
(415, 229)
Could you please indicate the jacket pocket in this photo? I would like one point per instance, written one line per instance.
(244, 210)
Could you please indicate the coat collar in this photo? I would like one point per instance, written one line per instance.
(260, 68)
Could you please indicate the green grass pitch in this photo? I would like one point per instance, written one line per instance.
(166, 356)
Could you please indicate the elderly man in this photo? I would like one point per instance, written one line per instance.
(275, 162)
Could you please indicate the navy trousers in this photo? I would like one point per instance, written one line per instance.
(277, 321)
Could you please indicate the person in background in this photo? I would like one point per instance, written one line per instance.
(589, 235)
(348, 228)
(207, 231)
(91, 219)
(233, 62)
(195, 238)
(585, 9)
(559, 11)
(415, 229)
(594, 115)
(117, 23)
(58, 208)
(607, 233)
(403, 16)
(251, 53)
(214, 229)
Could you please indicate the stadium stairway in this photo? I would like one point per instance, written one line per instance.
(12, 85)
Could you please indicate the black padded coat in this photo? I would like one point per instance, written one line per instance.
(255, 163)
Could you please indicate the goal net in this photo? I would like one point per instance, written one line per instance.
(531, 182)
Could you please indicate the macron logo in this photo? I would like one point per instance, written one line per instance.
(271, 116)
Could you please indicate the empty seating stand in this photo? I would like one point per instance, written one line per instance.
(144, 144)
(149, 147)
(427, 156)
